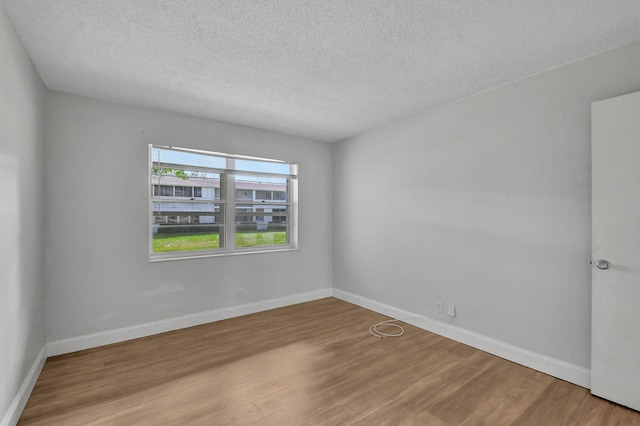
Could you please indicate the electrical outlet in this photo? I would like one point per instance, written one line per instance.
(439, 307)
(240, 293)
(451, 310)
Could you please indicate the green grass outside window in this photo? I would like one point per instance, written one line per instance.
(193, 242)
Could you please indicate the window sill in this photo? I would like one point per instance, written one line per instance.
(195, 255)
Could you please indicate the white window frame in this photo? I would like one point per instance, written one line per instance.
(228, 205)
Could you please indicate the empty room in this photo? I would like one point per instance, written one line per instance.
(419, 212)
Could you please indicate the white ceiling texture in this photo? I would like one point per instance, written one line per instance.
(321, 69)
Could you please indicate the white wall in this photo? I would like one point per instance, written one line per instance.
(98, 274)
(484, 203)
(21, 218)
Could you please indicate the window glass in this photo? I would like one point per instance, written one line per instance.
(190, 210)
(263, 195)
(281, 168)
(184, 191)
(244, 194)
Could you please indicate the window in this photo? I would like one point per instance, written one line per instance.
(177, 191)
(192, 216)
(163, 190)
(263, 195)
(184, 191)
(277, 218)
(244, 194)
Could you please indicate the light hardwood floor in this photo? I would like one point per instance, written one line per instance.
(308, 364)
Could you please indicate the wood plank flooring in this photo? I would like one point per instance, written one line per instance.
(308, 364)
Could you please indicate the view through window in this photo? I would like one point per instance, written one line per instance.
(207, 203)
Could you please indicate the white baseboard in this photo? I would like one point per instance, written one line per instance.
(554, 367)
(14, 412)
(73, 344)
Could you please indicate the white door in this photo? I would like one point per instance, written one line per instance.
(615, 328)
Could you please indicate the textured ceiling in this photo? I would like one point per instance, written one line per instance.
(322, 69)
